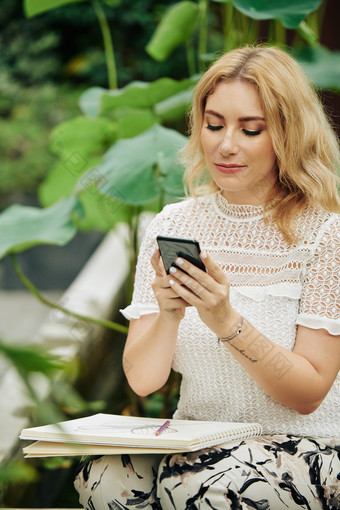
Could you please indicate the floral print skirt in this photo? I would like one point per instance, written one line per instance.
(267, 472)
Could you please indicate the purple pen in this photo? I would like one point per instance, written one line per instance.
(163, 427)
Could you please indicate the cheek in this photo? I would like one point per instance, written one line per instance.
(207, 143)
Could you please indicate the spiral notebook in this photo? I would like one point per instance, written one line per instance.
(115, 434)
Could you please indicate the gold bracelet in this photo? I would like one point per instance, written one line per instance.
(237, 332)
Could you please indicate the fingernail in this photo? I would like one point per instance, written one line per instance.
(171, 282)
(179, 261)
(173, 269)
(204, 255)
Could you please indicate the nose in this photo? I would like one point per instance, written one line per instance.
(228, 145)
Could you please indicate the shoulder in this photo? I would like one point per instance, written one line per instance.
(317, 225)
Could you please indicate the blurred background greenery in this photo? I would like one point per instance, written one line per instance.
(83, 86)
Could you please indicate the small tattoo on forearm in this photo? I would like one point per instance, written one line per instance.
(241, 351)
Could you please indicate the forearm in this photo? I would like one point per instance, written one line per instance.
(284, 375)
(147, 358)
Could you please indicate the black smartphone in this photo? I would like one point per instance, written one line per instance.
(173, 247)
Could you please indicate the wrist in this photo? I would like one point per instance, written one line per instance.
(228, 329)
(171, 317)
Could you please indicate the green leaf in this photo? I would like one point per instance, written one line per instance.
(32, 358)
(133, 121)
(139, 94)
(77, 138)
(90, 100)
(34, 7)
(174, 107)
(135, 170)
(321, 65)
(61, 179)
(101, 212)
(174, 29)
(79, 144)
(22, 227)
(290, 12)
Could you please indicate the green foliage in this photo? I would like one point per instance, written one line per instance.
(31, 359)
(142, 94)
(25, 133)
(321, 65)
(61, 402)
(290, 12)
(34, 7)
(23, 227)
(175, 28)
(149, 160)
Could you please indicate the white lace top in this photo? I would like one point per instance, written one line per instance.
(273, 285)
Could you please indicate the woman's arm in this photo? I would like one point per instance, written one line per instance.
(151, 341)
(299, 379)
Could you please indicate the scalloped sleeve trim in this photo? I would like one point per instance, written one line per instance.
(317, 322)
(290, 290)
(136, 310)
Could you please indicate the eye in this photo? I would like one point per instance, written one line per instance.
(214, 128)
(252, 133)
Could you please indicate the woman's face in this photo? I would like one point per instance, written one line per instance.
(236, 143)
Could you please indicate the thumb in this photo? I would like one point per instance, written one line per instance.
(157, 263)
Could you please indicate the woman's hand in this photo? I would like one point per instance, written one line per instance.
(170, 304)
(208, 292)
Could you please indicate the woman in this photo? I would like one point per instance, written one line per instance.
(257, 337)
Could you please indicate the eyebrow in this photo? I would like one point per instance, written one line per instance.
(248, 118)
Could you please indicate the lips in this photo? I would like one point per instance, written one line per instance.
(229, 169)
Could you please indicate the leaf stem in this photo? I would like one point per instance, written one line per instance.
(203, 32)
(228, 27)
(31, 287)
(108, 45)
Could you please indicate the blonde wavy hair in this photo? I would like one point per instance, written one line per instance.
(304, 142)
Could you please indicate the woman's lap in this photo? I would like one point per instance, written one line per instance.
(279, 472)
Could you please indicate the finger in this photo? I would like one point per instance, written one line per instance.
(183, 292)
(213, 269)
(157, 263)
(188, 281)
(205, 280)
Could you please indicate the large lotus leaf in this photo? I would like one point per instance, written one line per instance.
(174, 29)
(100, 213)
(62, 179)
(82, 136)
(321, 65)
(140, 94)
(78, 143)
(133, 121)
(22, 227)
(34, 7)
(172, 176)
(174, 107)
(133, 169)
(290, 12)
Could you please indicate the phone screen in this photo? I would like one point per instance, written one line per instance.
(173, 247)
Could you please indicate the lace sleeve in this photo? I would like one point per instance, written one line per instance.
(143, 299)
(320, 300)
